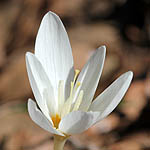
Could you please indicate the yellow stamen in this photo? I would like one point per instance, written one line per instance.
(75, 88)
(77, 85)
(76, 74)
(68, 103)
(66, 107)
(56, 119)
(71, 91)
(60, 95)
(78, 101)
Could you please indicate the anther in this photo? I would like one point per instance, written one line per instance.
(76, 74)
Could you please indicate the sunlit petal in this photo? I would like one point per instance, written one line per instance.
(77, 122)
(39, 83)
(90, 75)
(53, 49)
(111, 97)
(40, 119)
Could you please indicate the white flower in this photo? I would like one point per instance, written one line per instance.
(64, 96)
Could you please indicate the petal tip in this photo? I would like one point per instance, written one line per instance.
(49, 15)
(102, 49)
(30, 102)
(28, 54)
(130, 74)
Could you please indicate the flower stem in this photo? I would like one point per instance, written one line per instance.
(59, 142)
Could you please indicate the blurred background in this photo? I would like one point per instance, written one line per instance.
(122, 25)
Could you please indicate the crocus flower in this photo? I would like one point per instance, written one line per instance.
(63, 95)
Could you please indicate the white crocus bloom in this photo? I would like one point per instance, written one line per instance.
(64, 96)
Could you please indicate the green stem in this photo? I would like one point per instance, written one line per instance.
(59, 142)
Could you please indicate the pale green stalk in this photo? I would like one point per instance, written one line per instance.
(59, 142)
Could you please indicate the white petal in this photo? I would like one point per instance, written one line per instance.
(77, 122)
(53, 49)
(110, 98)
(90, 75)
(40, 84)
(40, 119)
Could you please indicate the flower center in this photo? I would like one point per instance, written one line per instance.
(56, 119)
(71, 104)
